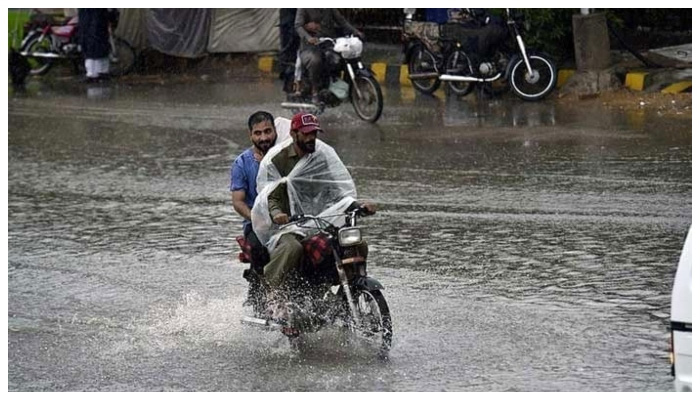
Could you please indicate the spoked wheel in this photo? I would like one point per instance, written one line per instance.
(421, 61)
(36, 44)
(375, 320)
(367, 98)
(122, 56)
(458, 63)
(537, 85)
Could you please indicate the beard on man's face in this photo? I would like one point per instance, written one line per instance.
(265, 144)
(308, 147)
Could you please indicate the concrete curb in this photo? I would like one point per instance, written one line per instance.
(665, 81)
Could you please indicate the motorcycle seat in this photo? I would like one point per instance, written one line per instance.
(64, 30)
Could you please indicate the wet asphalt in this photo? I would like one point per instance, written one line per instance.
(523, 246)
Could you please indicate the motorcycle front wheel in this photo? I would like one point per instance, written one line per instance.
(122, 57)
(533, 86)
(421, 61)
(367, 99)
(375, 320)
(36, 44)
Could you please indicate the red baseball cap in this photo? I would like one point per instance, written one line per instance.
(305, 123)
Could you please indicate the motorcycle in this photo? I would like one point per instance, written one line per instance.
(48, 41)
(530, 74)
(348, 79)
(331, 287)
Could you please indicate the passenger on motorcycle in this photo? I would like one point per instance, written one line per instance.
(302, 177)
(310, 24)
(244, 173)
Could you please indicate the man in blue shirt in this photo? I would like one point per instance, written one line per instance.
(244, 173)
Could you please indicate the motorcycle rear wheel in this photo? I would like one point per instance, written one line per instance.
(35, 43)
(458, 63)
(539, 84)
(375, 320)
(369, 102)
(422, 61)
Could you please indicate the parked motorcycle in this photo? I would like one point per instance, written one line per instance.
(348, 80)
(530, 74)
(331, 287)
(48, 41)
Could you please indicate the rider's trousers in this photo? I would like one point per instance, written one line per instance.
(312, 61)
(285, 257)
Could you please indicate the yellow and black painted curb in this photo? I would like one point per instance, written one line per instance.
(643, 80)
(390, 74)
(393, 75)
(639, 81)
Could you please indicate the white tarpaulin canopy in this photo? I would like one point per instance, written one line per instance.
(195, 32)
(243, 30)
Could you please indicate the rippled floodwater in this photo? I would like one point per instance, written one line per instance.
(525, 247)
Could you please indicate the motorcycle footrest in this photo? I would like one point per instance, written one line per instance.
(262, 323)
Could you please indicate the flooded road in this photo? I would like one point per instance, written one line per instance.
(526, 247)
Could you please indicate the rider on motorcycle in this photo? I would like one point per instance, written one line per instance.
(311, 24)
(299, 177)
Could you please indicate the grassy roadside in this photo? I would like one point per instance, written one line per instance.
(15, 24)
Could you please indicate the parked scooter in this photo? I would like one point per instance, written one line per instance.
(348, 80)
(48, 41)
(331, 287)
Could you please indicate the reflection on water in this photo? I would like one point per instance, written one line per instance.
(98, 92)
(478, 112)
(526, 246)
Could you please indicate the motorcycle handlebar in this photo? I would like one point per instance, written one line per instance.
(330, 39)
(361, 211)
(296, 217)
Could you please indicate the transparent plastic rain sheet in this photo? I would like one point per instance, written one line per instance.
(319, 185)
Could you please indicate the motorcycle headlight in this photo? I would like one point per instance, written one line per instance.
(349, 236)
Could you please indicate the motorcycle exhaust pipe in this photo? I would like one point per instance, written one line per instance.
(424, 75)
(261, 323)
(40, 55)
(458, 78)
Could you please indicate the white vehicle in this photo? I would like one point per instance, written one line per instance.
(682, 321)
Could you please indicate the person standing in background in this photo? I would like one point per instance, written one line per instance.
(289, 45)
(94, 25)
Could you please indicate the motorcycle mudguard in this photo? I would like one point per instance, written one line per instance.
(367, 283)
(364, 72)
